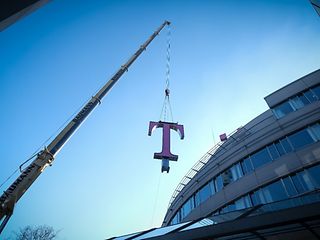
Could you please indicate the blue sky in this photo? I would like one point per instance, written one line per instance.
(226, 56)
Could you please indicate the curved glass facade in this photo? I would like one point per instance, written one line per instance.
(286, 187)
(296, 102)
(271, 152)
(272, 158)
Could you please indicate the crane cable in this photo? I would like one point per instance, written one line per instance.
(166, 112)
(166, 108)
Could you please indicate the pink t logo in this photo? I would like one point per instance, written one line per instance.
(166, 126)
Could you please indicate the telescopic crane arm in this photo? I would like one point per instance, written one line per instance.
(45, 157)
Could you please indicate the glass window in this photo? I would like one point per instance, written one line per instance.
(306, 181)
(315, 129)
(218, 183)
(224, 210)
(288, 184)
(236, 172)
(302, 182)
(197, 199)
(205, 192)
(247, 201)
(254, 199)
(231, 207)
(274, 192)
(260, 158)
(175, 219)
(283, 109)
(273, 151)
(300, 139)
(297, 102)
(303, 99)
(226, 177)
(286, 145)
(314, 173)
(242, 203)
(279, 148)
(297, 184)
(310, 96)
(212, 187)
(316, 90)
(247, 165)
(187, 207)
(257, 197)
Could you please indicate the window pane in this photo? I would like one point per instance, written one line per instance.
(316, 90)
(187, 207)
(273, 151)
(306, 181)
(197, 198)
(300, 139)
(247, 201)
(218, 183)
(283, 109)
(314, 174)
(257, 197)
(297, 102)
(236, 172)
(297, 183)
(289, 186)
(247, 166)
(239, 204)
(279, 148)
(231, 207)
(286, 145)
(311, 96)
(175, 219)
(242, 203)
(205, 193)
(302, 182)
(316, 131)
(224, 210)
(226, 177)
(254, 199)
(303, 99)
(212, 187)
(260, 158)
(274, 192)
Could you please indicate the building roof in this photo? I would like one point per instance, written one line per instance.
(295, 218)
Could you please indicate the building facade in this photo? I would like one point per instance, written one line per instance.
(274, 157)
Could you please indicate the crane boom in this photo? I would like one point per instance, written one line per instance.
(45, 157)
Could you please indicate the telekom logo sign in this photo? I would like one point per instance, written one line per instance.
(166, 126)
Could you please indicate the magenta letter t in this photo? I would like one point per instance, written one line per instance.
(166, 126)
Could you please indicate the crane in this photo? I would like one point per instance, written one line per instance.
(46, 156)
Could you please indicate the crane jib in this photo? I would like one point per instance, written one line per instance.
(45, 157)
(76, 122)
(84, 112)
(14, 185)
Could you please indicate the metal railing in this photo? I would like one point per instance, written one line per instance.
(199, 165)
(237, 135)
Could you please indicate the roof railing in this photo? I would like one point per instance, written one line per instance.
(198, 166)
(236, 136)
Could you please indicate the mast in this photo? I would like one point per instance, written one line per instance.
(45, 157)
